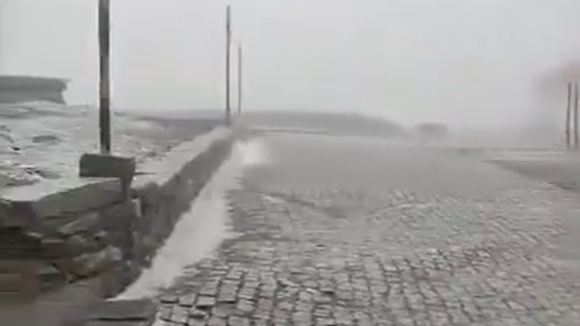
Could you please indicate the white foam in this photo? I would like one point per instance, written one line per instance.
(254, 152)
(201, 230)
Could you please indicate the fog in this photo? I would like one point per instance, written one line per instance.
(470, 63)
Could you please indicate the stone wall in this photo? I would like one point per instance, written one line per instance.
(62, 231)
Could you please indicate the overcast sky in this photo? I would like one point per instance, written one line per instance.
(459, 61)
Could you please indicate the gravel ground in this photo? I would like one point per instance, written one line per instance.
(45, 141)
(339, 232)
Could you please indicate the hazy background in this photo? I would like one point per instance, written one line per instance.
(473, 63)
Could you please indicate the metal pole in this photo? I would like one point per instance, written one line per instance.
(240, 79)
(104, 76)
(568, 114)
(228, 54)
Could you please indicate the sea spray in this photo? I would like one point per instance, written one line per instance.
(201, 230)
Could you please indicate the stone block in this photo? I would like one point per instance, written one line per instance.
(113, 217)
(120, 310)
(54, 248)
(108, 166)
(20, 276)
(11, 282)
(116, 280)
(16, 243)
(89, 222)
(95, 263)
(121, 313)
(117, 323)
(27, 205)
(90, 264)
(49, 277)
(121, 215)
(145, 188)
(79, 245)
(22, 266)
(73, 246)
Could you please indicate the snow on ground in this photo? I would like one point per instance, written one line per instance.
(44, 140)
(202, 229)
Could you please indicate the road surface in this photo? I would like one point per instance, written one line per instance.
(345, 231)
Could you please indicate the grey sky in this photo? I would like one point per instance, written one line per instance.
(460, 61)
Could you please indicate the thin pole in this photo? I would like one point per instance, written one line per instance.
(568, 114)
(104, 76)
(228, 54)
(2, 8)
(240, 79)
(575, 116)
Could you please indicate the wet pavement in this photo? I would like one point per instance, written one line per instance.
(344, 231)
(559, 168)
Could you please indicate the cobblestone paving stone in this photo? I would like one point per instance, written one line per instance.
(427, 239)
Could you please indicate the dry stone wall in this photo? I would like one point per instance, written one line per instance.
(61, 231)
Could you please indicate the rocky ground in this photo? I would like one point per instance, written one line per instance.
(355, 232)
(43, 141)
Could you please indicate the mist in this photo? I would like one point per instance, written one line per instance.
(479, 63)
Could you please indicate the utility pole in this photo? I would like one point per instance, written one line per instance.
(240, 79)
(575, 116)
(228, 117)
(568, 114)
(2, 41)
(104, 164)
(104, 18)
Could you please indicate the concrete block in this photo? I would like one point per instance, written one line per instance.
(108, 166)
(23, 206)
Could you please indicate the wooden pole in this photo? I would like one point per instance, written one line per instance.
(240, 79)
(575, 116)
(104, 23)
(228, 117)
(2, 51)
(568, 114)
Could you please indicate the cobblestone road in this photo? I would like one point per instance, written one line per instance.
(351, 232)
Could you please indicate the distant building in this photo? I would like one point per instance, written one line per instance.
(16, 89)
